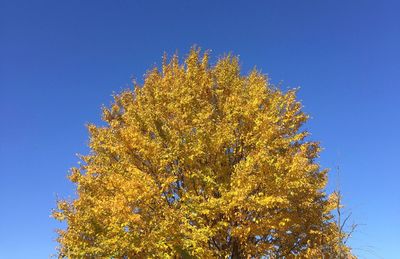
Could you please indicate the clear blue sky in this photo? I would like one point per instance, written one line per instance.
(61, 60)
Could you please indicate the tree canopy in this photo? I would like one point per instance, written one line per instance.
(201, 161)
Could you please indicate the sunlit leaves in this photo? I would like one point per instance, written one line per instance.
(201, 161)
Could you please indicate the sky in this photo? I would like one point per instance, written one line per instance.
(60, 61)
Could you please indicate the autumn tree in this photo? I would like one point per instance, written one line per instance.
(200, 161)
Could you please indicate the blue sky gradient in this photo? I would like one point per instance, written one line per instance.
(61, 60)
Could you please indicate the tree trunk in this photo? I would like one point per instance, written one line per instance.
(235, 249)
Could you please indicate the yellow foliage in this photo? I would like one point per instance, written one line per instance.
(201, 161)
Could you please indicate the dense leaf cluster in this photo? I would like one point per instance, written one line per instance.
(201, 161)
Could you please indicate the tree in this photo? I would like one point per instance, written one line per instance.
(201, 161)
